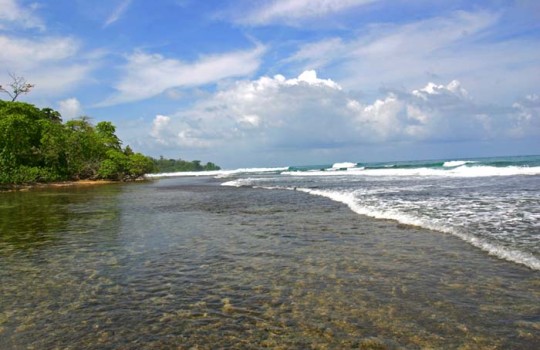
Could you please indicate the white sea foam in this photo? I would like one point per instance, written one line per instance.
(460, 171)
(501, 252)
(456, 163)
(252, 182)
(344, 165)
(238, 183)
(218, 173)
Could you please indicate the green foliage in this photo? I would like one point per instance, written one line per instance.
(105, 131)
(35, 146)
(54, 148)
(163, 165)
(139, 164)
(114, 167)
(125, 165)
(84, 149)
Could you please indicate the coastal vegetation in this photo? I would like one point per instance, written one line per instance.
(36, 146)
(163, 165)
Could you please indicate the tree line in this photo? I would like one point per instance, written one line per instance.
(173, 165)
(36, 146)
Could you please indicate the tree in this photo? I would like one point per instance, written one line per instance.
(36, 146)
(106, 133)
(84, 150)
(115, 166)
(163, 165)
(138, 165)
(18, 86)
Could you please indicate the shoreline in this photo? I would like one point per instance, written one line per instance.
(59, 184)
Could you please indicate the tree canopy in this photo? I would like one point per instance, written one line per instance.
(163, 165)
(35, 146)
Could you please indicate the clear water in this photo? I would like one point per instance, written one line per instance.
(186, 263)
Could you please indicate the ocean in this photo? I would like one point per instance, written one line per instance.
(491, 203)
(400, 255)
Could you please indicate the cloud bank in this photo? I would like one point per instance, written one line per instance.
(461, 45)
(318, 114)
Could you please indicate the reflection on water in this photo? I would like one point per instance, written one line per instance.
(183, 262)
(31, 219)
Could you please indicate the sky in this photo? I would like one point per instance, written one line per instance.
(260, 83)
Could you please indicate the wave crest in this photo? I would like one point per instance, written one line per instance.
(501, 252)
(458, 171)
(343, 165)
(456, 163)
(219, 173)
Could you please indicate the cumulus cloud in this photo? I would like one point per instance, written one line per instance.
(70, 108)
(12, 14)
(270, 110)
(160, 128)
(293, 11)
(147, 75)
(526, 120)
(309, 113)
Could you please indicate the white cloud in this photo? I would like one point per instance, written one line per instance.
(293, 11)
(148, 75)
(308, 77)
(462, 45)
(320, 53)
(266, 109)
(12, 14)
(526, 120)
(271, 115)
(53, 64)
(159, 128)
(70, 108)
(25, 54)
(117, 13)
(57, 79)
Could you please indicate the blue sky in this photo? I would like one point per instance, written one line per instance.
(287, 82)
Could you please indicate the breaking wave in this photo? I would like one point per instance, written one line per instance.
(491, 248)
(456, 171)
(456, 163)
(220, 173)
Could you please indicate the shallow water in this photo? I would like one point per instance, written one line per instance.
(185, 262)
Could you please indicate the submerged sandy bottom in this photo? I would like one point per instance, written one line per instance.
(185, 263)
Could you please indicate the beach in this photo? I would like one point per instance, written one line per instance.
(28, 187)
(187, 263)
